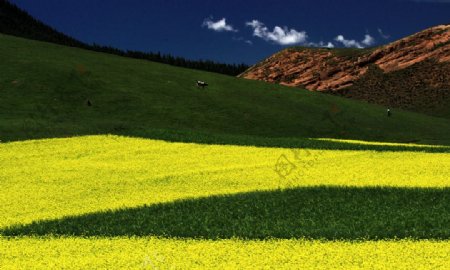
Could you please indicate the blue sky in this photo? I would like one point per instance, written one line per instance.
(237, 31)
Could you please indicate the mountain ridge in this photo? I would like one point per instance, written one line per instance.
(350, 72)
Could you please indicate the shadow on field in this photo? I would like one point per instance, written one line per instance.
(310, 143)
(312, 213)
(247, 140)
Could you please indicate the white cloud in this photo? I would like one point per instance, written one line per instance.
(249, 42)
(282, 36)
(351, 43)
(218, 26)
(368, 40)
(285, 36)
(325, 45)
(382, 34)
(321, 44)
(329, 45)
(348, 42)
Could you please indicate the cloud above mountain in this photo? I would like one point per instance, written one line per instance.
(351, 43)
(285, 36)
(218, 26)
(382, 34)
(279, 35)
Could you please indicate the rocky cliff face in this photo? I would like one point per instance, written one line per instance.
(411, 73)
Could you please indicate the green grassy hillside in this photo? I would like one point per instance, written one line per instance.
(45, 88)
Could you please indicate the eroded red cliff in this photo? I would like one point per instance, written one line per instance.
(409, 73)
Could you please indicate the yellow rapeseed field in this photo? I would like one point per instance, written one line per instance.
(54, 178)
(154, 253)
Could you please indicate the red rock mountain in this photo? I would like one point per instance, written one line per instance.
(411, 73)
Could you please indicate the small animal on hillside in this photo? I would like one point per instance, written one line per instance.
(201, 84)
(89, 103)
(388, 112)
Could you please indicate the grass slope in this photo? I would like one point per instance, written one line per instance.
(45, 88)
(331, 213)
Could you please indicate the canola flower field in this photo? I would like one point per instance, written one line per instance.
(154, 253)
(102, 202)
